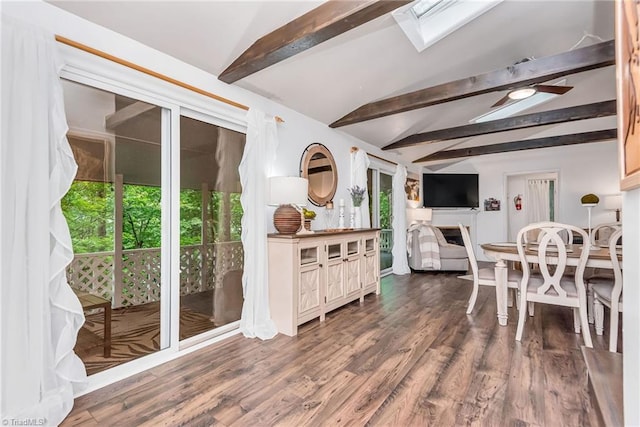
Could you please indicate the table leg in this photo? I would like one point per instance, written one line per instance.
(501, 291)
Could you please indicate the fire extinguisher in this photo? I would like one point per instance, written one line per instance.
(518, 202)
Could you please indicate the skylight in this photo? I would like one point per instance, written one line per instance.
(425, 22)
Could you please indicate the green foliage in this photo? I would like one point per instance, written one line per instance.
(589, 199)
(190, 217)
(385, 209)
(236, 217)
(141, 210)
(89, 209)
(221, 229)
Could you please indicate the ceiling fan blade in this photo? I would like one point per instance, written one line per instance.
(558, 90)
(501, 101)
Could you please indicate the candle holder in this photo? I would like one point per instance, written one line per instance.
(329, 215)
(341, 216)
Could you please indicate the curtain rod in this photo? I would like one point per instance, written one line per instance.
(354, 149)
(152, 73)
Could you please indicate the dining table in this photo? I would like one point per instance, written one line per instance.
(508, 251)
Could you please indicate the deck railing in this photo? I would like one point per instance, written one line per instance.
(386, 240)
(94, 272)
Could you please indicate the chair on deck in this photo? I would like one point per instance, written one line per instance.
(608, 291)
(550, 285)
(483, 276)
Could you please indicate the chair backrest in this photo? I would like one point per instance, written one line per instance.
(602, 233)
(466, 239)
(552, 243)
(533, 236)
(617, 271)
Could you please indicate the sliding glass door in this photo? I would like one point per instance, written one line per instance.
(211, 253)
(380, 185)
(114, 211)
(157, 254)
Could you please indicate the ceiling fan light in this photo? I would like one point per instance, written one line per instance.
(522, 93)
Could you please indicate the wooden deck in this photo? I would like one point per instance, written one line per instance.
(410, 356)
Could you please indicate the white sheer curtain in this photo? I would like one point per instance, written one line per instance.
(359, 166)
(40, 315)
(536, 199)
(257, 160)
(399, 223)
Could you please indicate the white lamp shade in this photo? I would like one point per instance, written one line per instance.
(420, 214)
(288, 190)
(613, 202)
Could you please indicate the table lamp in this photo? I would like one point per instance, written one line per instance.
(614, 203)
(289, 193)
(420, 215)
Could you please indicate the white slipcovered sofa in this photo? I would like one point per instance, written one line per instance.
(452, 257)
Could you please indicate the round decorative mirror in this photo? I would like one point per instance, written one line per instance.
(319, 167)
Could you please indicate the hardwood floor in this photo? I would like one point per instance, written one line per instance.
(408, 357)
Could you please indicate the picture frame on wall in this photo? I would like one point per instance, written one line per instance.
(627, 13)
(412, 188)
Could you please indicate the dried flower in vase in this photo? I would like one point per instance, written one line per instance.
(357, 194)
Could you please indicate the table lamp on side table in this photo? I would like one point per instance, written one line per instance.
(289, 193)
(614, 203)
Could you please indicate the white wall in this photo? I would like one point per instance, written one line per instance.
(582, 169)
(631, 302)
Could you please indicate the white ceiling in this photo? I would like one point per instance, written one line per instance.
(375, 60)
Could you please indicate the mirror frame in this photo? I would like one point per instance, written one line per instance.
(308, 153)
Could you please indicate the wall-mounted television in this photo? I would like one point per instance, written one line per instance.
(450, 190)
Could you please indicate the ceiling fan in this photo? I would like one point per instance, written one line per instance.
(527, 91)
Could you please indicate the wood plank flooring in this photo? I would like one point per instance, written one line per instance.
(408, 357)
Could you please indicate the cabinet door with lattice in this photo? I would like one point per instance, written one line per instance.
(352, 267)
(334, 290)
(309, 280)
(371, 265)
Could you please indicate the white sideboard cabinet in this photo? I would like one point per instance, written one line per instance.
(312, 274)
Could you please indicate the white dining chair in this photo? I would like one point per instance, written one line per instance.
(484, 276)
(549, 284)
(600, 236)
(601, 233)
(608, 291)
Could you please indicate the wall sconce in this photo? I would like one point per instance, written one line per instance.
(289, 193)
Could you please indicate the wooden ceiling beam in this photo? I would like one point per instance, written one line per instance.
(523, 74)
(570, 114)
(527, 144)
(320, 24)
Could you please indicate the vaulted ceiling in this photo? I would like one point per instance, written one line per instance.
(375, 61)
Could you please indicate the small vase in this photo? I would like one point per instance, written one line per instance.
(358, 216)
